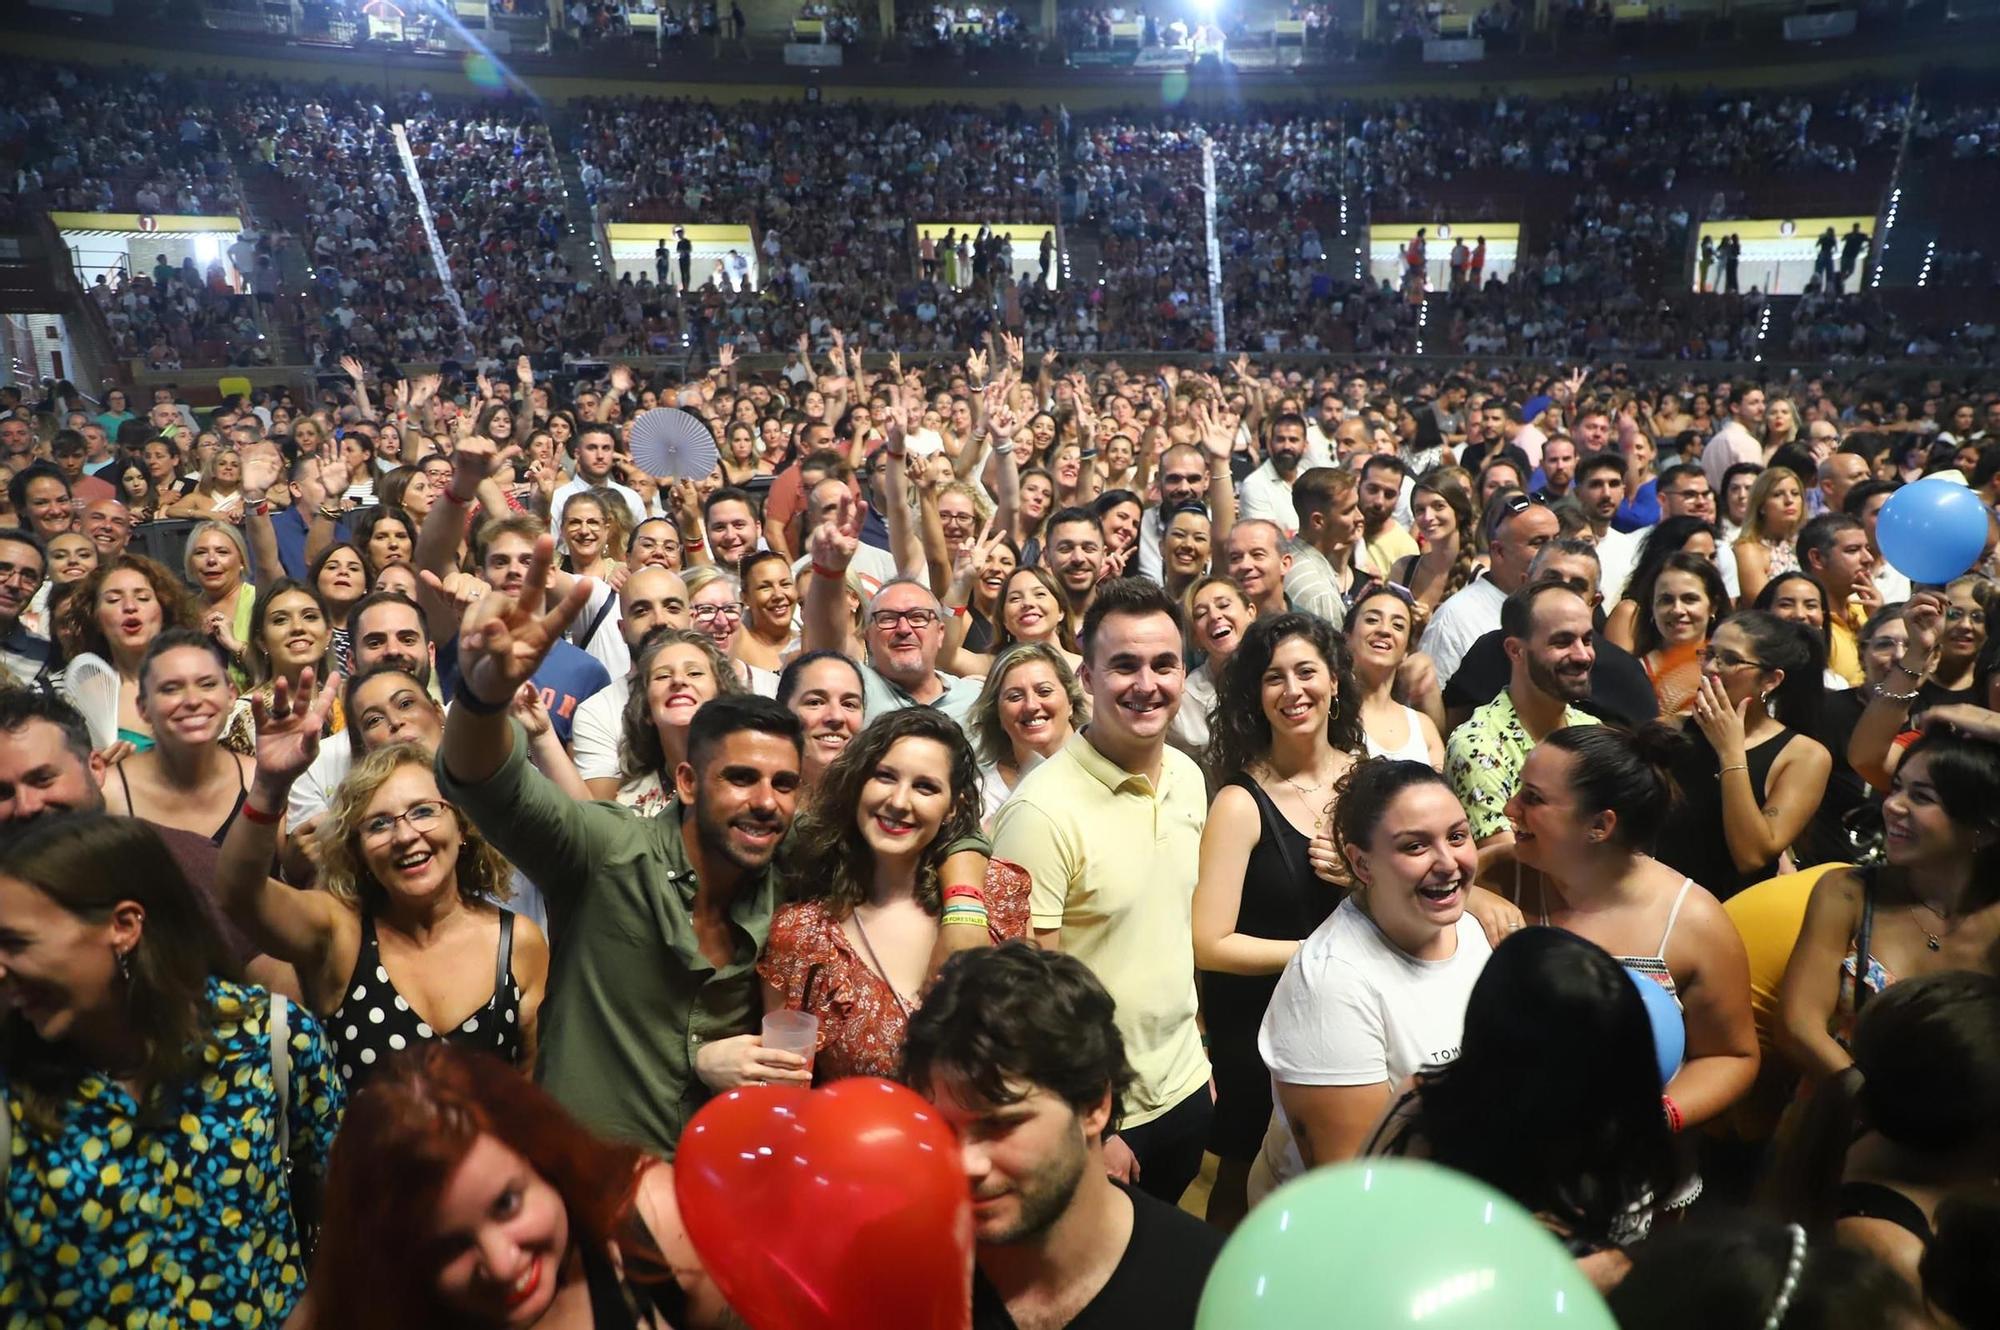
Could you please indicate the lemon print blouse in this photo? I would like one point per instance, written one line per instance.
(182, 1221)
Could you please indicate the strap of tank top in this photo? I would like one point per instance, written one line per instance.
(503, 967)
(1673, 917)
(126, 786)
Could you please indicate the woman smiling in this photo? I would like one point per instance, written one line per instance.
(402, 943)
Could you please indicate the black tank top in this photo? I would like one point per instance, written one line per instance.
(628, 1303)
(1693, 841)
(1282, 898)
(1872, 1200)
(374, 1020)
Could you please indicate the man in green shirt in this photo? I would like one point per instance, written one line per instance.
(653, 996)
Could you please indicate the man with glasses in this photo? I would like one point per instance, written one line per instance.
(903, 628)
(26, 659)
(1519, 528)
(1684, 491)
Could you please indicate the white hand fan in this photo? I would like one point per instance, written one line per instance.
(91, 683)
(668, 441)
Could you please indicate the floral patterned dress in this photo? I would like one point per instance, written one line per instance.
(115, 1221)
(862, 1025)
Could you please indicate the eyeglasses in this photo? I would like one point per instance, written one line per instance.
(422, 817)
(703, 613)
(919, 619)
(27, 576)
(1726, 659)
(1959, 614)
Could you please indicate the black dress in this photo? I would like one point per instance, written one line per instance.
(1693, 841)
(1282, 898)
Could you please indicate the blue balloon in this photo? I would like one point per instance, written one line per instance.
(1669, 1026)
(1933, 530)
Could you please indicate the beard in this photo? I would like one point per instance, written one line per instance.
(713, 832)
(1566, 687)
(1045, 1194)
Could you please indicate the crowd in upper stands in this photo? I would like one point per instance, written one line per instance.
(830, 194)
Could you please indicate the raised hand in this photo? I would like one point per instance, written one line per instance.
(502, 641)
(621, 379)
(353, 369)
(460, 588)
(1011, 345)
(485, 386)
(725, 357)
(1218, 438)
(975, 365)
(835, 540)
(260, 474)
(1923, 616)
(471, 463)
(289, 726)
(524, 370)
(531, 710)
(333, 478)
(423, 388)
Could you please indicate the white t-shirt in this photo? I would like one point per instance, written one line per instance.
(1467, 615)
(1353, 1009)
(595, 728)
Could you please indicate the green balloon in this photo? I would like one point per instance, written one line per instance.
(1378, 1243)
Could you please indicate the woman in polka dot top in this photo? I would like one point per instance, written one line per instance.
(403, 943)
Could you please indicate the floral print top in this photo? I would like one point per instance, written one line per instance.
(1483, 759)
(862, 1025)
(112, 1222)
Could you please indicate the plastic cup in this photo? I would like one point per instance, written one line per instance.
(792, 1032)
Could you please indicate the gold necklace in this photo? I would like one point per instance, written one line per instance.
(1931, 939)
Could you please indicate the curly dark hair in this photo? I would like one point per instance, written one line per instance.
(1239, 733)
(829, 861)
(77, 624)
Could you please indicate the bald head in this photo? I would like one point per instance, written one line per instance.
(651, 598)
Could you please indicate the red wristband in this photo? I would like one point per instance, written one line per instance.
(965, 890)
(451, 497)
(1674, 1120)
(837, 574)
(252, 813)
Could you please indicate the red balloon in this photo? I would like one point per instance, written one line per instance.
(830, 1210)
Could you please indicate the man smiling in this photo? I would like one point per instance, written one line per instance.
(1109, 828)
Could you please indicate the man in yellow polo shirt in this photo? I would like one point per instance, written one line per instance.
(1110, 830)
(1833, 547)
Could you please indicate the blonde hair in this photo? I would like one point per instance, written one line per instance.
(1760, 490)
(482, 874)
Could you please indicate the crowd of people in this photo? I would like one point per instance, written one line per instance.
(1295, 187)
(1216, 773)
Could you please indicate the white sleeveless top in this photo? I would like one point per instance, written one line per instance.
(1412, 749)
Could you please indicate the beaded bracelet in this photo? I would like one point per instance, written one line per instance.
(1674, 1120)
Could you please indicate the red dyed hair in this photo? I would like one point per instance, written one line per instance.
(401, 1140)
